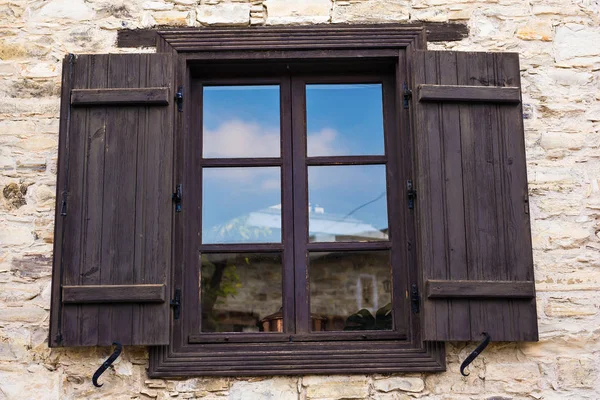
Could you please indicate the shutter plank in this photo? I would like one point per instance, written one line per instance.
(475, 242)
(484, 248)
(119, 213)
(464, 93)
(93, 197)
(157, 238)
(516, 202)
(72, 239)
(454, 217)
(123, 97)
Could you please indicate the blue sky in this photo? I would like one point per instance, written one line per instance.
(244, 122)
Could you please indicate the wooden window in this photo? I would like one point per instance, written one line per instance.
(296, 244)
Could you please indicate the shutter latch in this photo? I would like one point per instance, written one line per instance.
(177, 198)
(176, 304)
(179, 98)
(415, 302)
(411, 194)
(63, 204)
(407, 94)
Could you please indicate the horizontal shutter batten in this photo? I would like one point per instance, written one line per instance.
(125, 96)
(488, 94)
(440, 289)
(114, 294)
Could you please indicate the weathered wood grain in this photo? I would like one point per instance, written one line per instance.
(486, 94)
(114, 294)
(437, 289)
(132, 96)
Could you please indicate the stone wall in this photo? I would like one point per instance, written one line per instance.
(559, 43)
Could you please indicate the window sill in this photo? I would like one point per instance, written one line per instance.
(296, 358)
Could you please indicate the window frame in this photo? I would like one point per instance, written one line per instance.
(391, 45)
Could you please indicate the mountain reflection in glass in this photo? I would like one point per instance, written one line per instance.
(344, 119)
(241, 205)
(347, 203)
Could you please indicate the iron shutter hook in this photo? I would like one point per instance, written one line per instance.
(107, 363)
(475, 353)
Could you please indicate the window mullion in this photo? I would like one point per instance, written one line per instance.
(289, 300)
(300, 203)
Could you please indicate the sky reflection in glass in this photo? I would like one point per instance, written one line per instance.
(344, 119)
(243, 205)
(241, 121)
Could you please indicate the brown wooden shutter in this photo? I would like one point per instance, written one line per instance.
(114, 209)
(474, 240)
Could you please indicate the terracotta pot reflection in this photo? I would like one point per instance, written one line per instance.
(274, 322)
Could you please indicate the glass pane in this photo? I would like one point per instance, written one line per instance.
(241, 205)
(347, 203)
(344, 119)
(351, 291)
(241, 121)
(239, 290)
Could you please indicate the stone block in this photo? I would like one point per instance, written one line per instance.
(268, 389)
(175, 18)
(536, 30)
(523, 377)
(25, 314)
(77, 10)
(577, 45)
(336, 387)
(406, 384)
(570, 307)
(576, 373)
(157, 6)
(371, 11)
(298, 12)
(224, 14)
(561, 140)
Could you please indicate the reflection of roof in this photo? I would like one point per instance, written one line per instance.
(322, 225)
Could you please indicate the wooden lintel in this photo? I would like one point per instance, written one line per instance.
(436, 32)
(444, 289)
(114, 294)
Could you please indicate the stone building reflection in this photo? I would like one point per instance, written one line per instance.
(242, 292)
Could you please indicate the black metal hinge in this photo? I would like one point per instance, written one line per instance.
(415, 301)
(179, 98)
(176, 304)
(177, 198)
(407, 94)
(411, 194)
(63, 204)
